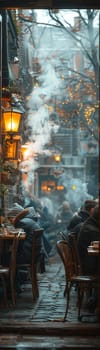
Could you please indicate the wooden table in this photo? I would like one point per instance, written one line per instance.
(9, 244)
(10, 235)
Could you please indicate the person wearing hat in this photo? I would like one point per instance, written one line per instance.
(82, 215)
(28, 220)
(18, 217)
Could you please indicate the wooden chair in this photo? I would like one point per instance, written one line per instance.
(4, 271)
(76, 257)
(77, 269)
(75, 253)
(10, 247)
(83, 282)
(32, 267)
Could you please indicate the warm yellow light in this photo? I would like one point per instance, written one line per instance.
(57, 157)
(24, 148)
(60, 188)
(49, 189)
(11, 151)
(73, 187)
(25, 151)
(11, 121)
(44, 188)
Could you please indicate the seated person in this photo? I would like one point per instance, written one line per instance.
(25, 220)
(78, 219)
(89, 232)
(28, 221)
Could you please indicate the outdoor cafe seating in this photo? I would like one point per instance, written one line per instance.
(83, 283)
(8, 247)
(9, 240)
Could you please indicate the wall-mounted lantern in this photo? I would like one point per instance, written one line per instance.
(11, 122)
(11, 133)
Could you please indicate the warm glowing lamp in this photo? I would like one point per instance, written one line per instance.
(57, 158)
(10, 126)
(60, 188)
(49, 189)
(11, 121)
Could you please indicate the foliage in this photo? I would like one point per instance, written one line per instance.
(80, 80)
(82, 84)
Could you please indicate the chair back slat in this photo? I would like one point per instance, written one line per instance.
(66, 256)
(37, 244)
(75, 253)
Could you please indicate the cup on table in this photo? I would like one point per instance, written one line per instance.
(95, 244)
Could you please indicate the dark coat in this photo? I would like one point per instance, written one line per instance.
(76, 230)
(89, 232)
(76, 219)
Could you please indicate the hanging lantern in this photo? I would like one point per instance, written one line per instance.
(11, 121)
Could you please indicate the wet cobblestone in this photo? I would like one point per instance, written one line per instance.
(50, 305)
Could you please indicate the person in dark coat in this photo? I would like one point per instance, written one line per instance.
(18, 217)
(89, 232)
(24, 252)
(26, 220)
(45, 221)
(82, 215)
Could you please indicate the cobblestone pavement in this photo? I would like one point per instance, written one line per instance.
(50, 305)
